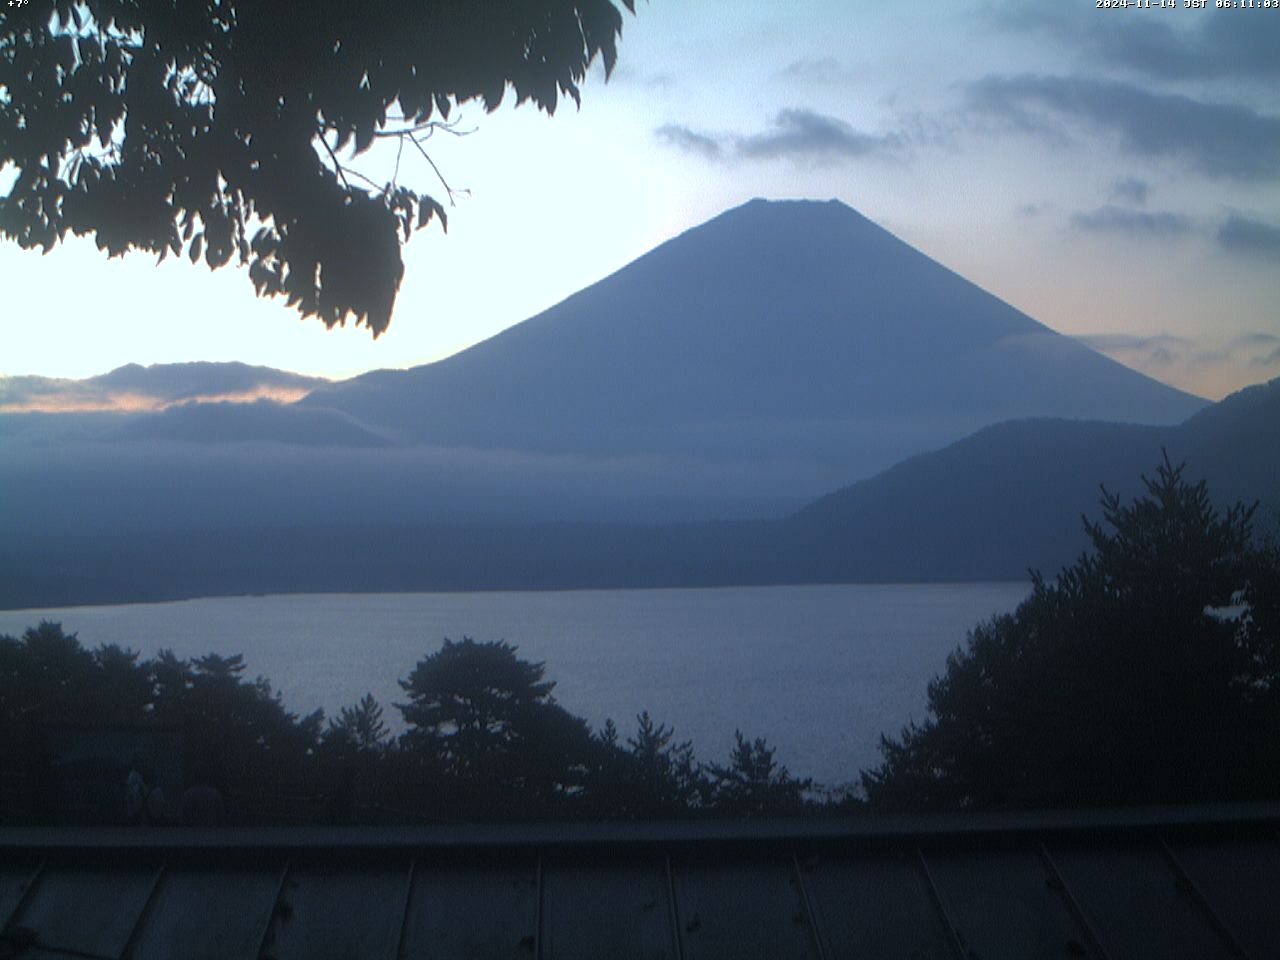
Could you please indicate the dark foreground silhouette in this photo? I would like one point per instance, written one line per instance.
(1147, 672)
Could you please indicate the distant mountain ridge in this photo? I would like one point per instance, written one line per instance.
(134, 387)
(990, 507)
(1011, 496)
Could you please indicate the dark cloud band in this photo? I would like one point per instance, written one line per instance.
(1112, 219)
(1225, 141)
(1244, 235)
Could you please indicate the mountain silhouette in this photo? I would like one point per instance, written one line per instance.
(1011, 496)
(779, 332)
(763, 359)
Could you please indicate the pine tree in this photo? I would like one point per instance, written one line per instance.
(1146, 672)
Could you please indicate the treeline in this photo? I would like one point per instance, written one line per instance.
(484, 739)
(1146, 672)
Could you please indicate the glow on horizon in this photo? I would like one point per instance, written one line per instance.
(940, 124)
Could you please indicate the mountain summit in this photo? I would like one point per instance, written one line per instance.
(796, 339)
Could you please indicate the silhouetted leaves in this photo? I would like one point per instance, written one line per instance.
(133, 122)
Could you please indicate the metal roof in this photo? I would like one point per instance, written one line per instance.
(1168, 883)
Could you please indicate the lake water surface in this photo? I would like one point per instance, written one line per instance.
(819, 671)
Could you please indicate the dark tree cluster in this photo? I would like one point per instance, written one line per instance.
(1147, 672)
(227, 128)
(236, 733)
(484, 739)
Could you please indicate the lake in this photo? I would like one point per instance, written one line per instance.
(819, 671)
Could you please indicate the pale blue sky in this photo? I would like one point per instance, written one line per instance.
(1113, 173)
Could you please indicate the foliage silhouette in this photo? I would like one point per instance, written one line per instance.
(47, 676)
(237, 734)
(486, 732)
(218, 127)
(753, 785)
(359, 728)
(240, 727)
(1145, 673)
(467, 702)
(660, 776)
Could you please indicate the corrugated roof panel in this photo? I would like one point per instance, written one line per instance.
(621, 912)
(741, 910)
(1005, 904)
(88, 910)
(1134, 902)
(463, 914)
(877, 906)
(14, 880)
(349, 915)
(1241, 882)
(208, 914)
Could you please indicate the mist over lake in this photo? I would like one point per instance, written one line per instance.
(820, 671)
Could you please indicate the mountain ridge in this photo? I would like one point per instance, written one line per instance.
(1007, 499)
(134, 387)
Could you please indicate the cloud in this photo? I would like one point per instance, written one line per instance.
(808, 135)
(795, 134)
(1209, 366)
(1132, 190)
(1219, 140)
(826, 70)
(689, 140)
(1112, 219)
(1211, 47)
(1244, 235)
(1255, 340)
(626, 73)
(1164, 344)
(1268, 345)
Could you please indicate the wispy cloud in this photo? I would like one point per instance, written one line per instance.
(1244, 235)
(1160, 350)
(824, 70)
(1261, 349)
(795, 134)
(63, 396)
(1225, 141)
(1207, 366)
(1113, 219)
(690, 141)
(1247, 340)
(809, 135)
(133, 389)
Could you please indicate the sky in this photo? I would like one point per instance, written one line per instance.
(1114, 173)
